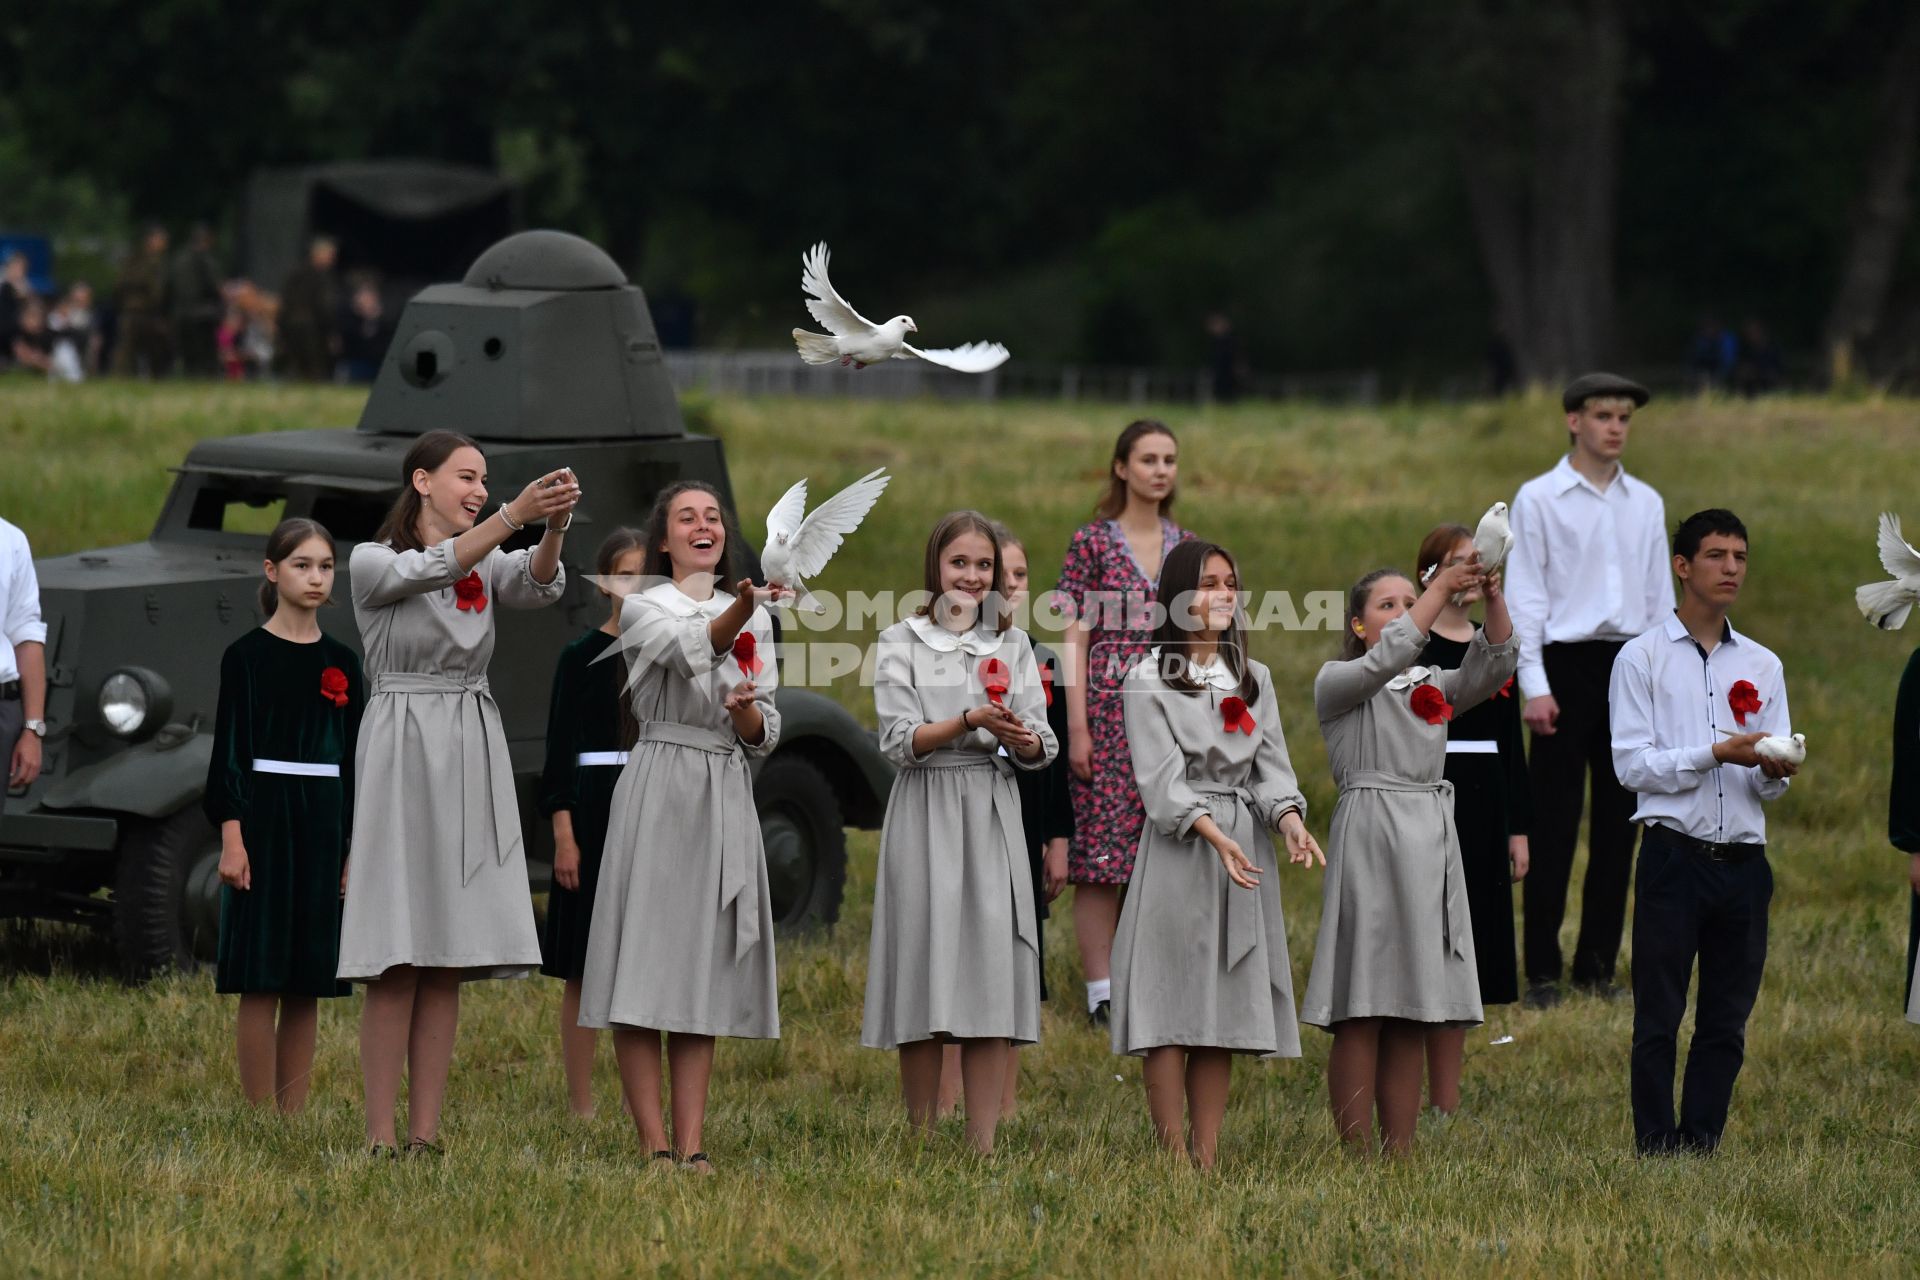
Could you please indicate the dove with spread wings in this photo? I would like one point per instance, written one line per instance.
(853, 339)
(799, 546)
(1887, 604)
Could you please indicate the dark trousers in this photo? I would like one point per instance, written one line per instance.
(1688, 905)
(1562, 763)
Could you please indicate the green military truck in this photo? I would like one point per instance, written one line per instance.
(545, 354)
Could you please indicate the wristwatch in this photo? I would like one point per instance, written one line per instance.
(38, 728)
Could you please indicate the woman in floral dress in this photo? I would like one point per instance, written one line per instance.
(1111, 568)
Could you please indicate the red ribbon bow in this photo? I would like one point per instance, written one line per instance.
(1430, 704)
(333, 686)
(1505, 690)
(1744, 699)
(746, 652)
(993, 678)
(1233, 715)
(470, 593)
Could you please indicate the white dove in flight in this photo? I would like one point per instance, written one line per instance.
(853, 339)
(799, 547)
(1887, 604)
(1784, 748)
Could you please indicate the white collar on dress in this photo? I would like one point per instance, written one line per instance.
(978, 642)
(1214, 673)
(1410, 677)
(670, 597)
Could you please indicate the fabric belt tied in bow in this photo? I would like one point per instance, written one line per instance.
(1244, 921)
(1006, 808)
(486, 772)
(739, 881)
(1458, 926)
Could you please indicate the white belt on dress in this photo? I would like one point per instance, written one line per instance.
(1006, 807)
(1472, 747)
(587, 758)
(296, 768)
(1243, 909)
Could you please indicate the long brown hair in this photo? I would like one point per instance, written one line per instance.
(615, 545)
(951, 526)
(1434, 548)
(401, 529)
(1180, 577)
(282, 543)
(1114, 500)
(1351, 645)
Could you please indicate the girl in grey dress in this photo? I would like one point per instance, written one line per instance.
(682, 934)
(437, 889)
(1395, 951)
(954, 953)
(1200, 969)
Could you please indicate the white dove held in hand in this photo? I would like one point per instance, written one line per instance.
(1887, 604)
(1786, 750)
(1492, 539)
(799, 547)
(853, 339)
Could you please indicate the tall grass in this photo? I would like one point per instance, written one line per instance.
(126, 1149)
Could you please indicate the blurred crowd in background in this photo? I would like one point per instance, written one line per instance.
(177, 311)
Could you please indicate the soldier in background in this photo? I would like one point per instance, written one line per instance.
(309, 315)
(196, 304)
(143, 346)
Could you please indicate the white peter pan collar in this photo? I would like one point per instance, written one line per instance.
(1410, 677)
(977, 642)
(1214, 673)
(670, 597)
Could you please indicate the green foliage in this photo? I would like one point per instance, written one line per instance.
(128, 1151)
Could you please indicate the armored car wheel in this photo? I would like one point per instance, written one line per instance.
(805, 839)
(166, 894)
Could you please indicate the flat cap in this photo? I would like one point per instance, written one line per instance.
(1588, 385)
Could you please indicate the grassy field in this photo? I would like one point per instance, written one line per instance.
(126, 1149)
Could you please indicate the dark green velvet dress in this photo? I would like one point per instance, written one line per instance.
(584, 716)
(283, 934)
(1903, 802)
(1492, 799)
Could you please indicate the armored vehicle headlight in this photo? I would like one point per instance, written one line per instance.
(123, 703)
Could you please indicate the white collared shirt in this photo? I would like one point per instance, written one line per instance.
(1668, 705)
(20, 621)
(1587, 564)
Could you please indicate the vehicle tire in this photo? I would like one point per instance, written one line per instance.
(806, 842)
(166, 894)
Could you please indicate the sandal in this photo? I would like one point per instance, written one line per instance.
(693, 1162)
(423, 1147)
(381, 1151)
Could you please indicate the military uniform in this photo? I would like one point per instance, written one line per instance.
(307, 324)
(144, 346)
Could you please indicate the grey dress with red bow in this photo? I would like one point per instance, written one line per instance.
(1197, 959)
(438, 877)
(682, 933)
(955, 948)
(1396, 937)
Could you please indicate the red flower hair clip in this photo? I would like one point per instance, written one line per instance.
(993, 678)
(1234, 716)
(470, 593)
(746, 652)
(1430, 704)
(333, 686)
(1744, 699)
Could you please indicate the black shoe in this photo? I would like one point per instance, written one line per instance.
(1600, 989)
(1541, 995)
(1102, 1015)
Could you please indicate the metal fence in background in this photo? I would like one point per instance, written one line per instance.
(773, 373)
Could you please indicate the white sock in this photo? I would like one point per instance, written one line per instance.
(1097, 990)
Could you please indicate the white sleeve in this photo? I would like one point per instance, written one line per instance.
(1526, 592)
(1643, 768)
(23, 624)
